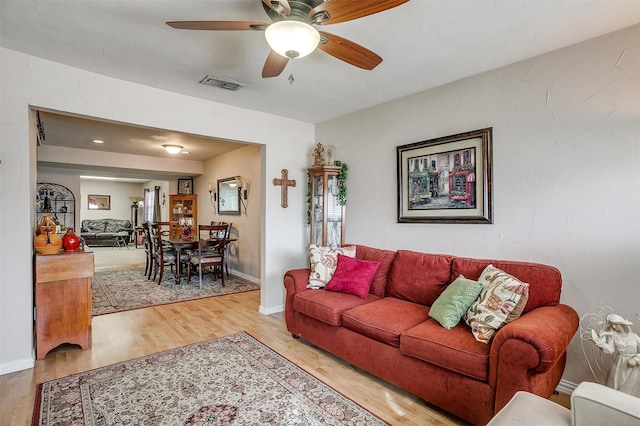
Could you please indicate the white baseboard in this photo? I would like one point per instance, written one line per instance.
(244, 276)
(17, 365)
(269, 311)
(566, 387)
(262, 309)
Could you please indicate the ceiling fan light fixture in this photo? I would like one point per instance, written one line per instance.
(292, 39)
(172, 149)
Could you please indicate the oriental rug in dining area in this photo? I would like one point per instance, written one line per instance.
(126, 289)
(230, 380)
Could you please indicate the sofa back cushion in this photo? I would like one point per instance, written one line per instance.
(385, 258)
(93, 225)
(544, 281)
(419, 277)
(116, 225)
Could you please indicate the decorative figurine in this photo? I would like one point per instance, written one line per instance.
(617, 337)
(318, 155)
(331, 155)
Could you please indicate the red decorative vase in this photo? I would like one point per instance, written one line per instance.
(70, 241)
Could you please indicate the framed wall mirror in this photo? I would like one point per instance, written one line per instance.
(228, 201)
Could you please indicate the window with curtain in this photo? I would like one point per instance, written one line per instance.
(152, 205)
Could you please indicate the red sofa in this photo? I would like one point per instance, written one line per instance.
(390, 334)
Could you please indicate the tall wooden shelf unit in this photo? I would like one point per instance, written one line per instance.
(184, 207)
(63, 300)
(327, 215)
(59, 201)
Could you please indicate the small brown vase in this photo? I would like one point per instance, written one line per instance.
(70, 241)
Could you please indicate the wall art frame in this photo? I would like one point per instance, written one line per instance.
(185, 186)
(446, 179)
(99, 202)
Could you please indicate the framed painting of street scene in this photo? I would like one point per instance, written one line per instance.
(446, 180)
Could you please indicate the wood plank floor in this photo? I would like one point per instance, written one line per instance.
(127, 335)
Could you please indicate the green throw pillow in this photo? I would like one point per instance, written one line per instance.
(454, 301)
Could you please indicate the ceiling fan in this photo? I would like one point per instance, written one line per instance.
(292, 34)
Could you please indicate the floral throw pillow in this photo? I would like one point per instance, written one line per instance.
(323, 263)
(498, 299)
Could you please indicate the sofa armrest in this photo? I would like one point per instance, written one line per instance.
(595, 404)
(534, 344)
(295, 281)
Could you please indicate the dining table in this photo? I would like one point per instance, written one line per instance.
(180, 243)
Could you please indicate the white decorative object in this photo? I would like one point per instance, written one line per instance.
(617, 339)
(331, 155)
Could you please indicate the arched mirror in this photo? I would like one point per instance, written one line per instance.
(228, 201)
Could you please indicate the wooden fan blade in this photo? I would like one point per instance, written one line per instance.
(274, 65)
(348, 51)
(218, 25)
(346, 10)
(281, 6)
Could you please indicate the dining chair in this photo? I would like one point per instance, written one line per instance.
(227, 235)
(167, 229)
(148, 250)
(210, 252)
(162, 256)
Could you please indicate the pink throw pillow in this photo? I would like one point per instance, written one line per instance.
(353, 276)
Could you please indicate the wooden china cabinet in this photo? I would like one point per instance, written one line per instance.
(327, 215)
(184, 207)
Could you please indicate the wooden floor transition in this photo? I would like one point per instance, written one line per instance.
(126, 335)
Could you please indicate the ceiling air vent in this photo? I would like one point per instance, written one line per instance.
(223, 83)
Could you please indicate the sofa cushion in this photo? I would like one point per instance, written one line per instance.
(385, 319)
(105, 236)
(353, 276)
(454, 301)
(498, 298)
(545, 282)
(454, 349)
(419, 277)
(385, 258)
(93, 225)
(327, 306)
(323, 262)
(117, 225)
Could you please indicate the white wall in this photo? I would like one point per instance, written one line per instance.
(29, 81)
(119, 193)
(566, 164)
(244, 254)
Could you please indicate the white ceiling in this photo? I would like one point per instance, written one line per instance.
(423, 43)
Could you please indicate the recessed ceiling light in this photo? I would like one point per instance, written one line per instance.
(159, 138)
(184, 151)
(98, 141)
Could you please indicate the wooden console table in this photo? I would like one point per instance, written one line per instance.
(63, 300)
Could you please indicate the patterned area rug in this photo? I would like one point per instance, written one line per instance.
(123, 290)
(231, 380)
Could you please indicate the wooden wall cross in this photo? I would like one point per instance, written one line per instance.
(284, 183)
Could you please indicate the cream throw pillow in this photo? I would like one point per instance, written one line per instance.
(498, 299)
(323, 262)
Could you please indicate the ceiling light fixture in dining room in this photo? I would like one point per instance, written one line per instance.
(172, 149)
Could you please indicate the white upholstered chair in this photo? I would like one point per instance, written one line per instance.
(592, 404)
